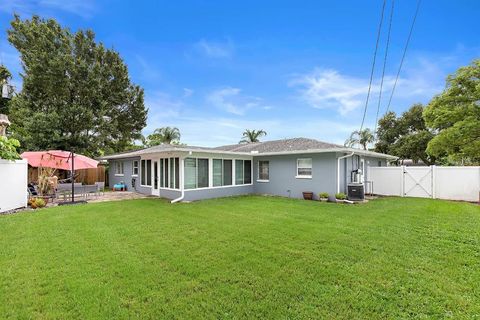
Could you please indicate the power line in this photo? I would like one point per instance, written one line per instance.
(383, 69)
(373, 64)
(403, 56)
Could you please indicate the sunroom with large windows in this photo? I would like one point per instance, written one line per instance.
(216, 173)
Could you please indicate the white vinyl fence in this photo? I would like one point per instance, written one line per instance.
(451, 183)
(13, 184)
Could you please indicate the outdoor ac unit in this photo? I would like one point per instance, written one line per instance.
(355, 192)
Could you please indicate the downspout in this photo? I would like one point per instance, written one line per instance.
(338, 168)
(181, 182)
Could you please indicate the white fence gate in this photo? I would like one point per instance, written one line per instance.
(452, 183)
(13, 184)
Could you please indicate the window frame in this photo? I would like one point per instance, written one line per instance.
(268, 171)
(121, 172)
(135, 167)
(144, 170)
(243, 161)
(304, 176)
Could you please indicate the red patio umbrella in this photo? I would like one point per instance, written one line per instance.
(59, 159)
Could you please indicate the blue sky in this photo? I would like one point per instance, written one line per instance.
(292, 68)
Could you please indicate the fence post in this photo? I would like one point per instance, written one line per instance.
(433, 180)
(403, 181)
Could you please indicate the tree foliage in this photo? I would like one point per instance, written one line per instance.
(164, 135)
(406, 136)
(76, 93)
(362, 138)
(5, 76)
(455, 114)
(8, 148)
(250, 136)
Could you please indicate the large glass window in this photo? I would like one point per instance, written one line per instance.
(155, 175)
(162, 174)
(243, 172)
(172, 174)
(304, 167)
(142, 179)
(149, 172)
(247, 171)
(238, 171)
(190, 173)
(217, 172)
(166, 172)
(146, 174)
(202, 173)
(196, 173)
(263, 170)
(177, 173)
(227, 172)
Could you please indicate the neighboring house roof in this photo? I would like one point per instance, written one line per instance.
(273, 147)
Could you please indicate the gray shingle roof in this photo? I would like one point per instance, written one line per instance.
(294, 145)
(284, 145)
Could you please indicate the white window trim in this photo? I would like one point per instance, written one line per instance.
(146, 171)
(133, 168)
(210, 173)
(117, 174)
(299, 176)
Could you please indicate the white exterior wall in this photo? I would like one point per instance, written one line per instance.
(13, 184)
(450, 183)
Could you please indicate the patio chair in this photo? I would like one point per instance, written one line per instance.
(90, 190)
(100, 188)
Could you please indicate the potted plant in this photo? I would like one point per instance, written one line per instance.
(323, 196)
(340, 197)
(307, 195)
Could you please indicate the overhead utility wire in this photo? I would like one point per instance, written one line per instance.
(373, 65)
(383, 69)
(403, 56)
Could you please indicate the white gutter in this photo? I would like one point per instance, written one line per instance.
(338, 168)
(182, 187)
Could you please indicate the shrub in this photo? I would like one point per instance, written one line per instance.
(38, 203)
(323, 195)
(340, 196)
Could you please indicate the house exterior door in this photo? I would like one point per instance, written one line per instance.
(155, 178)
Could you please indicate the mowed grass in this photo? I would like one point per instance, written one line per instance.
(245, 257)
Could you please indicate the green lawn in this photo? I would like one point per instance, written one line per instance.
(246, 257)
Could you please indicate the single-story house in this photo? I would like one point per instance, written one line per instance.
(286, 167)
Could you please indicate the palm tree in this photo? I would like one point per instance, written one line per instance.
(363, 138)
(250, 136)
(164, 135)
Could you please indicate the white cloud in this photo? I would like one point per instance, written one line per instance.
(187, 92)
(330, 89)
(420, 80)
(230, 100)
(213, 49)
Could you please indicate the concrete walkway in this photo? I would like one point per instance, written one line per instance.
(116, 196)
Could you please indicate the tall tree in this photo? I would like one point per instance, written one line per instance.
(76, 93)
(387, 132)
(165, 135)
(250, 136)
(357, 137)
(406, 136)
(455, 114)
